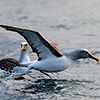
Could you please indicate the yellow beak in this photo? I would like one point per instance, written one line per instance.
(22, 47)
(93, 57)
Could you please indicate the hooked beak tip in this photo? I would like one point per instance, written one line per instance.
(93, 57)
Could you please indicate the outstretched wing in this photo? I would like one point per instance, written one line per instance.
(38, 44)
(54, 45)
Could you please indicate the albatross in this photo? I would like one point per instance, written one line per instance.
(49, 57)
(24, 54)
(9, 65)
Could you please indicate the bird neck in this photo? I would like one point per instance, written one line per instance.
(72, 55)
(24, 57)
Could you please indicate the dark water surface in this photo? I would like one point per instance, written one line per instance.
(72, 24)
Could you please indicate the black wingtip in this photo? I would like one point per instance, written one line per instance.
(6, 27)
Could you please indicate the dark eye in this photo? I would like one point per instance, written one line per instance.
(25, 44)
(85, 52)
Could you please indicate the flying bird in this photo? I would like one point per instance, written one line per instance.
(49, 57)
(9, 65)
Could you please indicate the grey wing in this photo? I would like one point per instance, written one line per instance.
(38, 44)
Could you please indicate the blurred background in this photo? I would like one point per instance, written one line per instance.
(72, 24)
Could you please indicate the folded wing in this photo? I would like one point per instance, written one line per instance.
(7, 64)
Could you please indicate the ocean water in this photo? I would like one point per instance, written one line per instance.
(73, 24)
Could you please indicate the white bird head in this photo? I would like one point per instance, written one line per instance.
(24, 46)
(81, 53)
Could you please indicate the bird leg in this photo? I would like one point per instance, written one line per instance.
(47, 75)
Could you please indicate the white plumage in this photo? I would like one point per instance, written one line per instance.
(49, 58)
